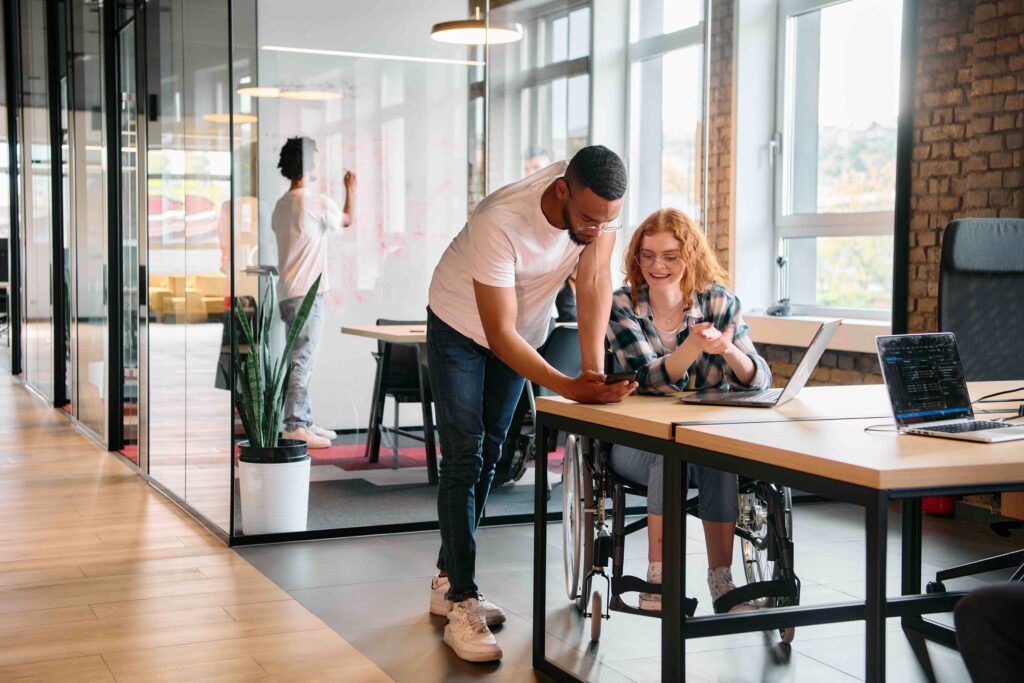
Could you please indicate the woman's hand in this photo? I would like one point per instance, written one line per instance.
(709, 340)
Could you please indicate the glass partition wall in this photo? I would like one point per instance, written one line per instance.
(202, 97)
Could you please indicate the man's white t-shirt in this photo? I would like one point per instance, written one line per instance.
(507, 242)
(301, 222)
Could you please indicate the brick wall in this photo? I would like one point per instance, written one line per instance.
(968, 130)
(835, 367)
(720, 131)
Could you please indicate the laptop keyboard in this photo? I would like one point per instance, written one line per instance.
(961, 427)
(767, 395)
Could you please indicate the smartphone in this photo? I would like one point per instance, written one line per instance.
(615, 377)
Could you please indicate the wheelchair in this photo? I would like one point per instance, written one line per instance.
(593, 494)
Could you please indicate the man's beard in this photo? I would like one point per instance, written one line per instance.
(572, 233)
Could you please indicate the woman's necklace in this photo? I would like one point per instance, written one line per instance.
(671, 321)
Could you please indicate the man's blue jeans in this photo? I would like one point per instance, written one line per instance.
(474, 395)
(298, 410)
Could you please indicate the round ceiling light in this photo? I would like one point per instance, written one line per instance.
(226, 118)
(311, 95)
(475, 32)
(260, 91)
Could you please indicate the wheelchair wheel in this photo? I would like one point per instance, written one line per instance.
(573, 506)
(596, 617)
(761, 544)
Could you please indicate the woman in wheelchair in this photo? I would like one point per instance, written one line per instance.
(679, 329)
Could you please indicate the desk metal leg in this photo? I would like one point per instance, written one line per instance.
(876, 532)
(426, 401)
(911, 541)
(673, 586)
(540, 539)
(377, 408)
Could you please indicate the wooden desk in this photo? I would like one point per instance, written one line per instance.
(393, 334)
(816, 443)
(410, 335)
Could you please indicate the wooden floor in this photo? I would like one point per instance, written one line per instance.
(102, 579)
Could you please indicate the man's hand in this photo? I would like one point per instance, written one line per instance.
(589, 387)
(350, 181)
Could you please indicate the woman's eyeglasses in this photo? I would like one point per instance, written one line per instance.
(647, 260)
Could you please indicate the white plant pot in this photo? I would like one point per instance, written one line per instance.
(275, 496)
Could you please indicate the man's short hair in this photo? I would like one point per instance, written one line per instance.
(600, 169)
(297, 157)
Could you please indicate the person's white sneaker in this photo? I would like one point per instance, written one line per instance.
(468, 635)
(493, 614)
(312, 440)
(323, 432)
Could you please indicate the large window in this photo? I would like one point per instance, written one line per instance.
(666, 56)
(835, 154)
(539, 89)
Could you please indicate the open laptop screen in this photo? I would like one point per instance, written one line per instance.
(924, 378)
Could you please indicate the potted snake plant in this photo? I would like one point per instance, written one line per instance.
(273, 472)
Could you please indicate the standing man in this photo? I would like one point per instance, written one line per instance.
(490, 302)
(301, 221)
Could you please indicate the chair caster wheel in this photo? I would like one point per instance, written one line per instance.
(596, 617)
(786, 635)
(935, 587)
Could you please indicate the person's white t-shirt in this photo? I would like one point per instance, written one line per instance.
(507, 242)
(301, 222)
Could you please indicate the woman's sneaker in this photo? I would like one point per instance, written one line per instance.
(720, 583)
(651, 602)
(493, 614)
(468, 635)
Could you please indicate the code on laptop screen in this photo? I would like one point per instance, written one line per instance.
(924, 377)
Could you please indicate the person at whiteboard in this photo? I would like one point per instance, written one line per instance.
(490, 304)
(302, 220)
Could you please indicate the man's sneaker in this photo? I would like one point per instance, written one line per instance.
(493, 614)
(720, 583)
(323, 432)
(312, 440)
(468, 635)
(651, 602)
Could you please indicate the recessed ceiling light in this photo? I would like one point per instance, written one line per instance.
(311, 95)
(260, 91)
(226, 118)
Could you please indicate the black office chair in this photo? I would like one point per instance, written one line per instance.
(400, 380)
(982, 270)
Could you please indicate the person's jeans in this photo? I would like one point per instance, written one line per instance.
(990, 632)
(474, 396)
(298, 411)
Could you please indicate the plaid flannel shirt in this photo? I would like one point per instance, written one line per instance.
(637, 346)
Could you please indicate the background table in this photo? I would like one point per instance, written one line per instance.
(411, 335)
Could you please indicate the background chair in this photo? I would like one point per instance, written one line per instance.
(562, 352)
(398, 376)
(981, 301)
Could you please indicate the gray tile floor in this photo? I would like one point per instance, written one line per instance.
(374, 592)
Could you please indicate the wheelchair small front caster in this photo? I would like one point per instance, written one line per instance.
(787, 634)
(935, 587)
(596, 617)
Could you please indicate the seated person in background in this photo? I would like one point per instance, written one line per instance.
(679, 330)
(565, 300)
(990, 632)
(534, 159)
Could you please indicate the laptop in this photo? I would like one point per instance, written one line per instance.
(928, 391)
(769, 398)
